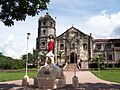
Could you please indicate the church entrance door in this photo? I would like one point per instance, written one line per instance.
(73, 57)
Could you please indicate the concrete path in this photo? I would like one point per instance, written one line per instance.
(87, 81)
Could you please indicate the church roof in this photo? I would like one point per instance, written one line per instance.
(102, 40)
(73, 29)
(105, 40)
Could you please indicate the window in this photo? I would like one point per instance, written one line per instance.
(117, 44)
(109, 57)
(84, 46)
(61, 46)
(73, 46)
(44, 32)
(108, 46)
(98, 46)
(42, 44)
(44, 23)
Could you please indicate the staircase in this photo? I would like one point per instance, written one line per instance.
(70, 67)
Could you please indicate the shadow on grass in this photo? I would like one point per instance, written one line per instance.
(92, 86)
(86, 86)
(7, 86)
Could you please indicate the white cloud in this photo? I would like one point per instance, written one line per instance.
(7, 46)
(115, 32)
(10, 48)
(103, 24)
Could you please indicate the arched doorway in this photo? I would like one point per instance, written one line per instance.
(73, 57)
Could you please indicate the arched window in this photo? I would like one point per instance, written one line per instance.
(44, 32)
(42, 44)
(84, 46)
(73, 45)
(44, 23)
(61, 46)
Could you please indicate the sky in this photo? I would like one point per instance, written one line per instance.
(99, 17)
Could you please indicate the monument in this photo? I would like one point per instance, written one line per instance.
(49, 76)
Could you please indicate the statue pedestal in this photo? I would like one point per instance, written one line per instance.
(61, 82)
(50, 78)
(50, 83)
(44, 83)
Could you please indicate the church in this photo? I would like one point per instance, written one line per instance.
(72, 46)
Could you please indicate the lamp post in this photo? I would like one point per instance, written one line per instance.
(74, 62)
(75, 81)
(25, 80)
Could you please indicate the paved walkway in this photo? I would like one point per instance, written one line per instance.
(87, 81)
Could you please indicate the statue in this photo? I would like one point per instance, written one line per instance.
(51, 55)
(50, 75)
(51, 44)
(50, 70)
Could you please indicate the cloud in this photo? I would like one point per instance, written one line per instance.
(9, 42)
(13, 40)
(103, 24)
(10, 48)
(8, 45)
(116, 32)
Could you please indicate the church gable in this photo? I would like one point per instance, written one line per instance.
(73, 32)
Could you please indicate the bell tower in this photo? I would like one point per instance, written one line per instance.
(46, 28)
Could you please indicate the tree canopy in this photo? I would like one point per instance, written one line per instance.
(10, 63)
(11, 10)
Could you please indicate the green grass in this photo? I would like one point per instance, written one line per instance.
(109, 75)
(15, 75)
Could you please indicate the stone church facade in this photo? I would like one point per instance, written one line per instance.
(73, 44)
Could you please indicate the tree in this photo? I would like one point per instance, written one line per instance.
(11, 10)
(10, 63)
(32, 58)
(99, 59)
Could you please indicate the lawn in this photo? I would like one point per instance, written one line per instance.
(109, 75)
(15, 75)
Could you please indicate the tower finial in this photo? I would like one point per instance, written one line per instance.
(47, 13)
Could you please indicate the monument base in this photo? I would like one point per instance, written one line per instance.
(48, 83)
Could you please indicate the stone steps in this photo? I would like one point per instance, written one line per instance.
(71, 67)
